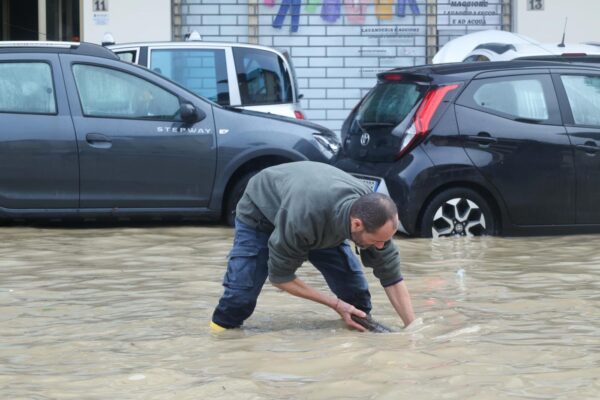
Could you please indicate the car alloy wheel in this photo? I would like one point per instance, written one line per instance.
(458, 217)
(457, 212)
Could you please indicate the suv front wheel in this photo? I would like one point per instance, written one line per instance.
(458, 212)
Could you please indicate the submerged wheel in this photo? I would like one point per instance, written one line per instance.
(458, 212)
(234, 195)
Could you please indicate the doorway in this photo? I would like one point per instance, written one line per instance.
(19, 20)
(40, 20)
(62, 20)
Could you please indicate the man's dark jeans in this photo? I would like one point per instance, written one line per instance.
(247, 273)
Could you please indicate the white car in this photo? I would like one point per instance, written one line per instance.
(492, 45)
(247, 76)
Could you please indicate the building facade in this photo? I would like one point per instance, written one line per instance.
(337, 46)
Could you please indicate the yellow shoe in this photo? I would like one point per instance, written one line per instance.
(215, 328)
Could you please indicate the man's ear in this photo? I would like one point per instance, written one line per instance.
(356, 224)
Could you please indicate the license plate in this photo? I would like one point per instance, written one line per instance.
(372, 183)
(376, 184)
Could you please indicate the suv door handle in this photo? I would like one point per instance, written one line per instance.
(589, 147)
(483, 138)
(98, 140)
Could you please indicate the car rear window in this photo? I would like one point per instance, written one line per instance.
(262, 77)
(386, 106)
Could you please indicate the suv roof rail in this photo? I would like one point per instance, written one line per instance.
(81, 48)
(49, 44)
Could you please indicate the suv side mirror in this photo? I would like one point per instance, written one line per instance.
(191, 114)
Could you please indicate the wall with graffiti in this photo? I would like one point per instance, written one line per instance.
(331, 11)
(337, 46)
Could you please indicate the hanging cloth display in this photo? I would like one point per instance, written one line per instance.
(311, 6)
(401, 8)
(383, 9)
(285, 6)
(331, 10)
(355, 10)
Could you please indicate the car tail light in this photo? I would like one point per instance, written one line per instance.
(422, 119)
(299, 114)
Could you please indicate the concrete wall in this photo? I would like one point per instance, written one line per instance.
(127, 20)
(547, 25)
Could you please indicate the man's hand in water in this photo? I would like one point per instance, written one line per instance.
(346, 311)
(298, 287)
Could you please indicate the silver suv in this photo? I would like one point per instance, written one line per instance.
(253, 77)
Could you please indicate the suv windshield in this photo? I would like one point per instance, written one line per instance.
(385, 107)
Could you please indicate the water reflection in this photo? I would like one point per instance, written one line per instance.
(123, 312)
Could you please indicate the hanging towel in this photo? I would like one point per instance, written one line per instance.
(269, 3)
(311, 6)
(330, 10)
(355, 10)
(383, 9)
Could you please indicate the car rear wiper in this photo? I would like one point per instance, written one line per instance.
(372, 124)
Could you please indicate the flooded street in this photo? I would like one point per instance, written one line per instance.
(123, 312)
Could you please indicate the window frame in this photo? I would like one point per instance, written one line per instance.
(53, 81)
(73, 64)
(466, 98)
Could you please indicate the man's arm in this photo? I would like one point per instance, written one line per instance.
(299, 288)
(400, 299)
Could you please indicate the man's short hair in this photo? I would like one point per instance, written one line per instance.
(374, 210)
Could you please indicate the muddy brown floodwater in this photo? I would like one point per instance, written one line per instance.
(123, 312)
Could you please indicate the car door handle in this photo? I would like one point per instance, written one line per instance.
(483, 138)
(588, 147)
(98, 140)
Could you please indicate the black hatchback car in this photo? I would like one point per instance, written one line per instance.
(482, 148)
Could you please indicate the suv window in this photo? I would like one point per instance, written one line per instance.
(262, 77)
(386, 106)
(516, 97)
(129, 56)
(203, 71)
(26, 87)
(583, 93)
(105, 92)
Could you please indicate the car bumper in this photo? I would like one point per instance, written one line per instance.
(401, 180)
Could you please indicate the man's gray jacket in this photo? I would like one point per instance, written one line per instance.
(307, 205)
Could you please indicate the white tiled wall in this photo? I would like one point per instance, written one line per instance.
(336, 63)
